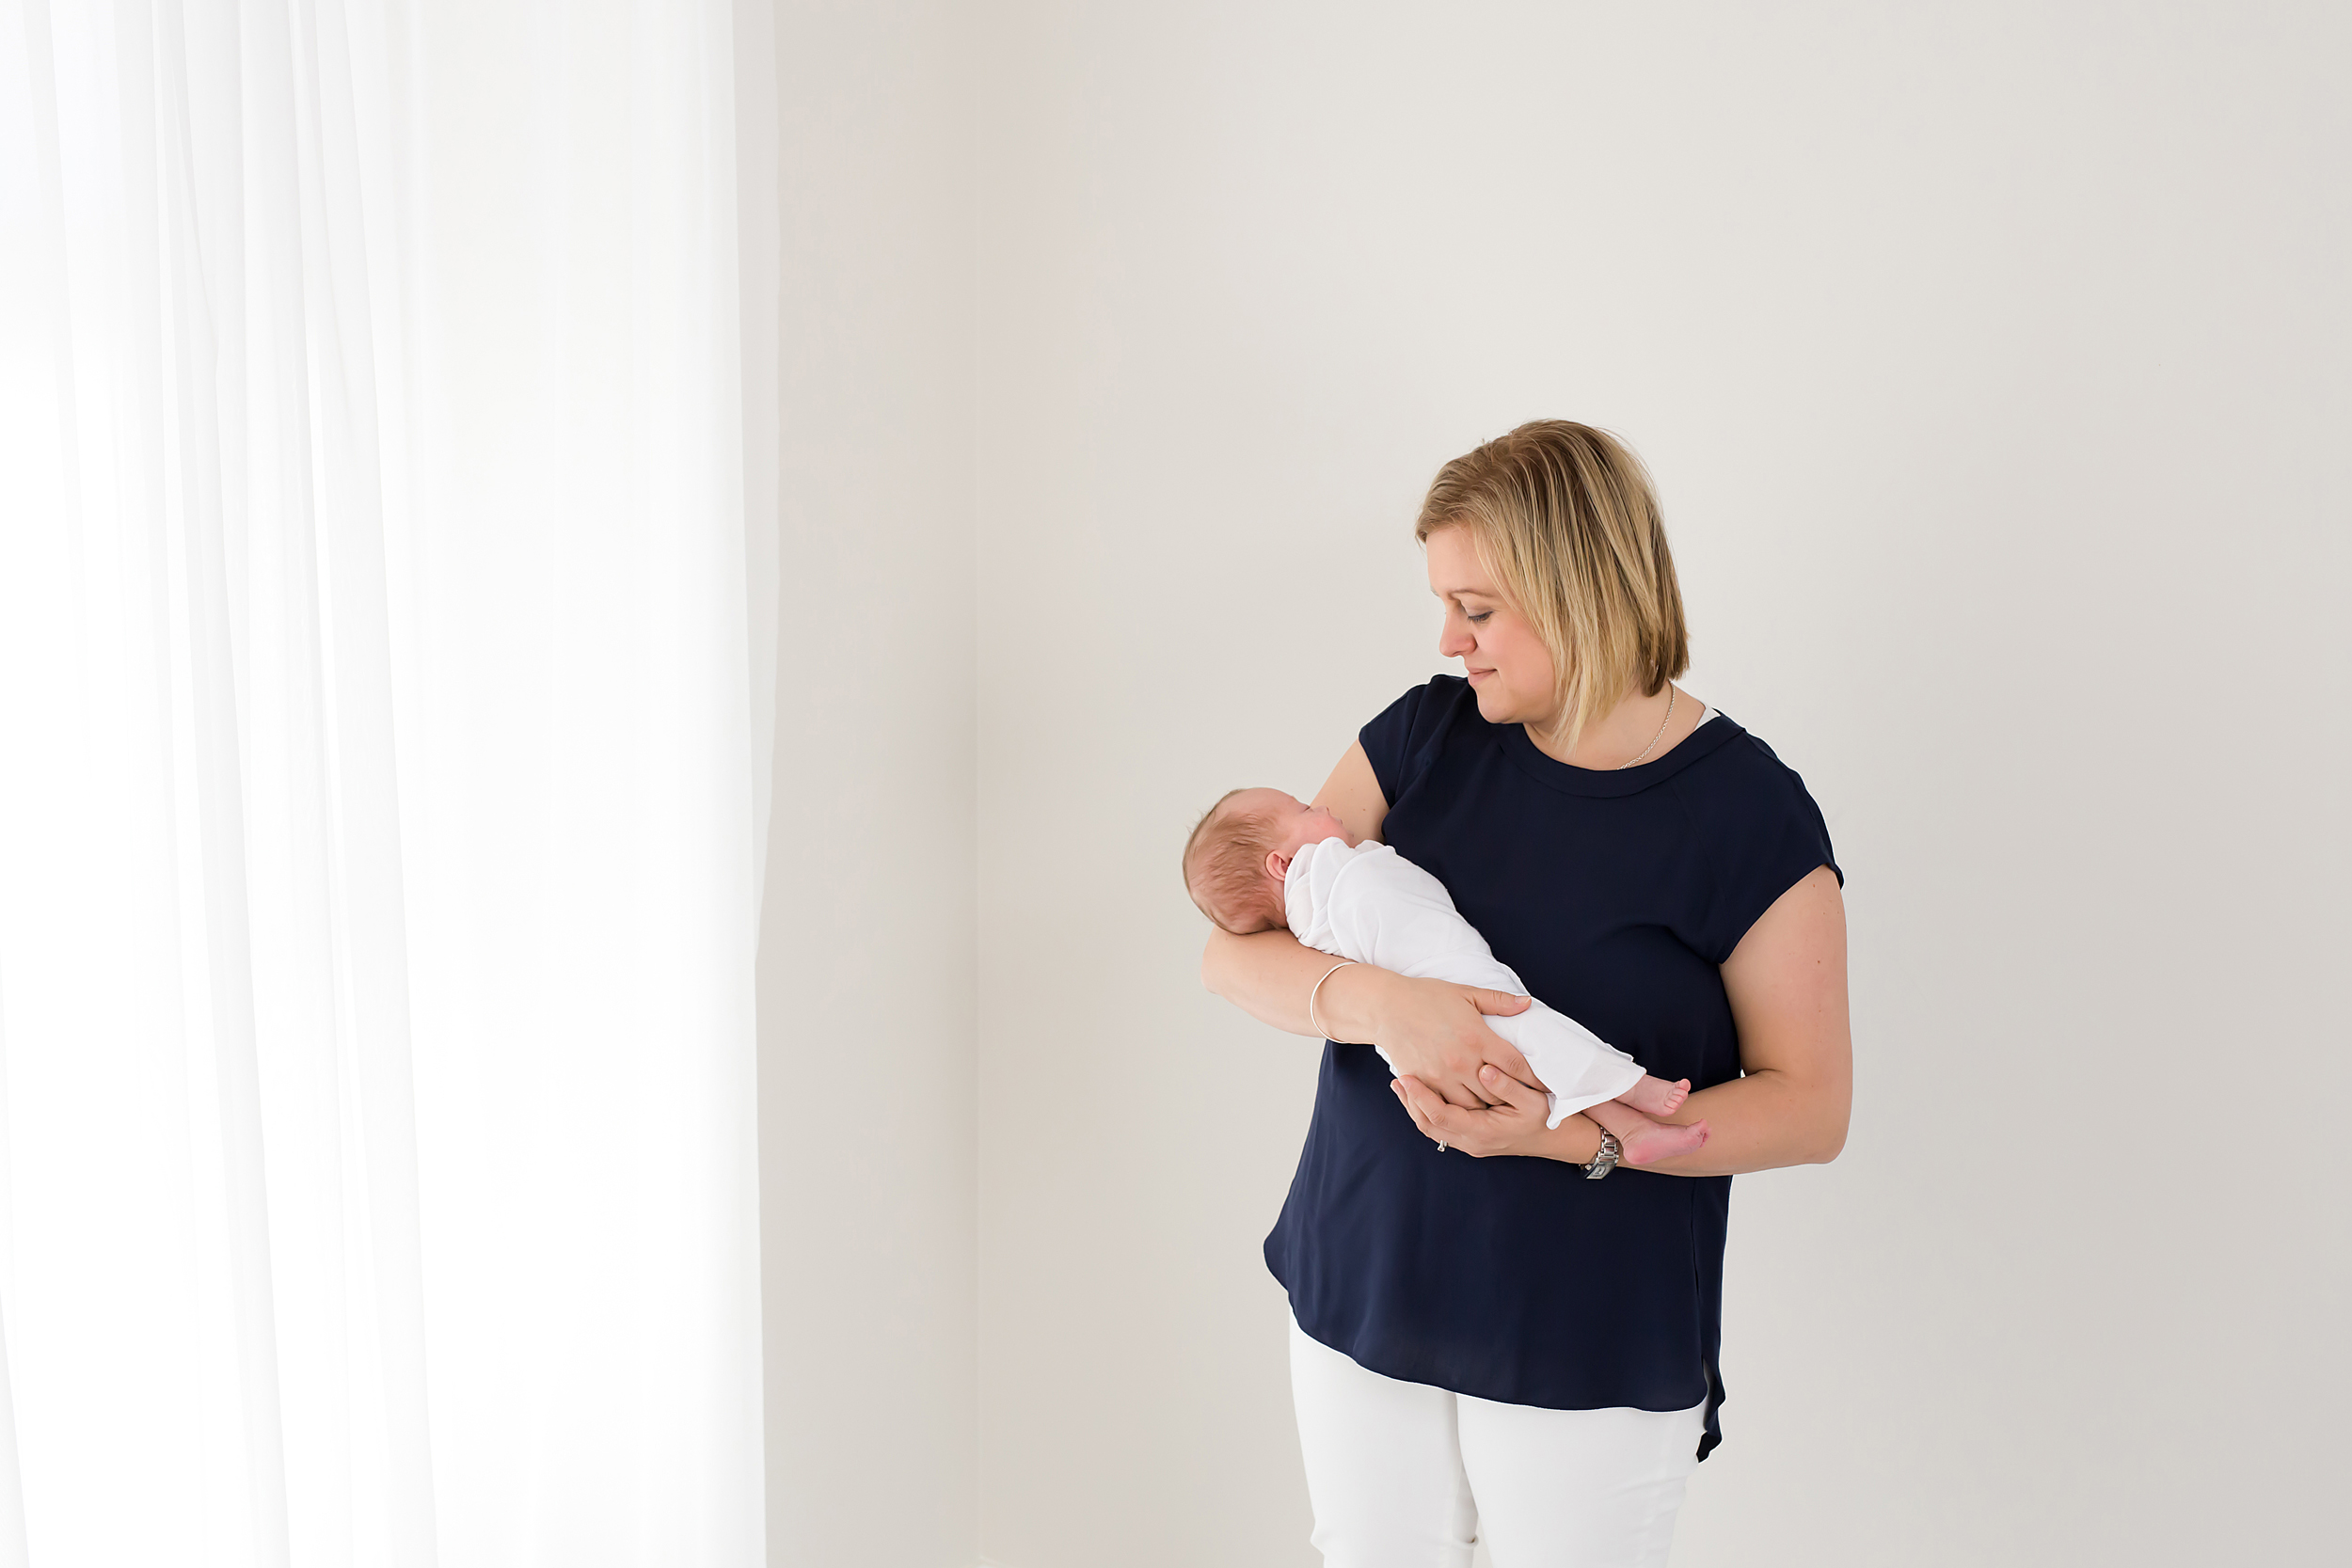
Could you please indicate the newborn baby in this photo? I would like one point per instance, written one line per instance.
(1261, 860)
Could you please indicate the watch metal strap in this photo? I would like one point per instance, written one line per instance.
(1606, 1160)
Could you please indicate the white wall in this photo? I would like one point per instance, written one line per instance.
(865, 999)
(1990, 359)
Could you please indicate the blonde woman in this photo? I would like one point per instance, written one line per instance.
(1464, 1365)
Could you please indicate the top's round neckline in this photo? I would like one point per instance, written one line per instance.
(1709, 737)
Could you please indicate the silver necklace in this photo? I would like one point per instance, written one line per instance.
(1671, 694)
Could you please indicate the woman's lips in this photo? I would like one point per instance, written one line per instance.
(1474, 675)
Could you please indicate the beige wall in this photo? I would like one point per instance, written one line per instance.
(865, 1004)
(1989, 359)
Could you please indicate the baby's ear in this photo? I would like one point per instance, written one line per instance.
(1278, 865)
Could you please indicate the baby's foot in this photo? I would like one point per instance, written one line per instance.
(1656, 1096)
(1659, 1140)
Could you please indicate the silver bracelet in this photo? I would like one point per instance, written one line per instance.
(1606, 1160)
(1310, 998)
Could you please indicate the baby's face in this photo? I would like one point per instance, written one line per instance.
(1298, 824)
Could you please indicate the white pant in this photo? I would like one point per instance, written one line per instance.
(1402, 1474)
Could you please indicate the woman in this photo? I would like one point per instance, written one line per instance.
(1514, 1347)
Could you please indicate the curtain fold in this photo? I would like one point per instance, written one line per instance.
(384, 772)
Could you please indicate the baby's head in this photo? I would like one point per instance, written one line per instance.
(1240, 852)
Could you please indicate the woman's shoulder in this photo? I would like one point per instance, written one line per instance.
(1758, 828)
(1742, 780)
(1743, 764)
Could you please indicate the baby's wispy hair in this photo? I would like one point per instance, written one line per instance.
(1225, 866)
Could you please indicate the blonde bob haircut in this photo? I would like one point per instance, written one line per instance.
(1565, 520)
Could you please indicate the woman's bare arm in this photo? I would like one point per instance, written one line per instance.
(1352, 794)
(1268, 977)
(1432, 1026)
(1787, 981)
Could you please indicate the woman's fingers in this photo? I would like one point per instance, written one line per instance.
(1409, 1094)
(1501, 1003)
(1500, 1129)
(1502, 1055)
(1472, 1131)
(1457, 1091)
(1455, 1080)
(1510, 1091)
(1480, 1043)
(1464, 1093)
(1421, 1104)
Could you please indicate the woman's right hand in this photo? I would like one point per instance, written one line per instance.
(1433, 1030)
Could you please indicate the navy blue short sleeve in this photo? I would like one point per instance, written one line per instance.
(1761, 834)
(1403, 737)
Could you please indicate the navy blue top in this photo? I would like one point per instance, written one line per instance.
(1614, 895)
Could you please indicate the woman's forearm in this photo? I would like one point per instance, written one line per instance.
(1268, 976)
(1433, 1029)
(1762, 1121)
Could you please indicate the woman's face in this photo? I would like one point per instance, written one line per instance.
(1507, 664)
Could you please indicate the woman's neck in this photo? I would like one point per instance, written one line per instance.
(1657, 722)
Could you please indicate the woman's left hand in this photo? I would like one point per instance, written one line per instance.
(1513, 1126)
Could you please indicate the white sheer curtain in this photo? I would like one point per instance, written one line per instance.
(379, 786)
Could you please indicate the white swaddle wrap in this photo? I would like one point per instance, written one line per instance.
(1372, 905)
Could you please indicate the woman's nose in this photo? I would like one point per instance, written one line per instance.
(1454, 639)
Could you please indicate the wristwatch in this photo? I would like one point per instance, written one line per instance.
(1606, 1160)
